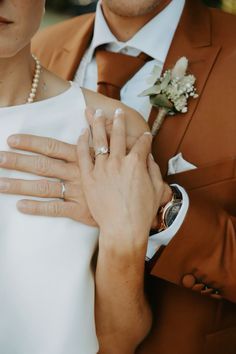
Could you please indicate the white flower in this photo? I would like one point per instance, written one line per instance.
(180, 68)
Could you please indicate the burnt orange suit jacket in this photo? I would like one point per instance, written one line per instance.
(192, 283)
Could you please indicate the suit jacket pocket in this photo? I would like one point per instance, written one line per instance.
(216, 182)
(221, 342)
(206, 175)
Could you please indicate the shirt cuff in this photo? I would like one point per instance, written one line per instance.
(164, 237)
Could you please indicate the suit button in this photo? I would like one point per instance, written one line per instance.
(188, 281)
(198, 287)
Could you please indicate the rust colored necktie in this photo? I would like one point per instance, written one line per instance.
(115, 69)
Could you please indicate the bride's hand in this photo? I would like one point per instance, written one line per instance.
(123, 190)
(55, 159)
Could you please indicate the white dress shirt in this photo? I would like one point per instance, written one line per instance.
(154, 39)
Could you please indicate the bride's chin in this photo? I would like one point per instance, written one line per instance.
(7, 53)
(9, 49)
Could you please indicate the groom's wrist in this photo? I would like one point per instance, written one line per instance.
(167, 196)
(168, 211)
(162, 238)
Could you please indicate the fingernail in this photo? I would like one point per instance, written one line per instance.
(118, 112)
(2, 159)
(147, 133)
(4, 186)
(151, 156)
(13, 140)
(98, 113)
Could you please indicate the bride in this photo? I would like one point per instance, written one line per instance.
(47, 273)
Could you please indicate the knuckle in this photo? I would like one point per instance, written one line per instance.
(73, 170)
(98, 122)
(43, 188)
(42, 165)
(51, 147)
(15, 186)
(12, 160)
(53, 209)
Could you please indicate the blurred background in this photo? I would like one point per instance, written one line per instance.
(58, 10)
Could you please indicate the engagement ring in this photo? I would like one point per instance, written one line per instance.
(102, 150)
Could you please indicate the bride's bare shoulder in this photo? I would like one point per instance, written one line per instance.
(109, 105)
(135, 123)
(51, 85)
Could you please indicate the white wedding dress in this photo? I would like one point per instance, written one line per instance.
(46, 277)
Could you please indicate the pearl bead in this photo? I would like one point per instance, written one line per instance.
(35, 81)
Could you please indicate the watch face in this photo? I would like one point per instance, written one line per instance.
(171, 214)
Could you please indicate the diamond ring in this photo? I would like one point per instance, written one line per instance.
(102, 150)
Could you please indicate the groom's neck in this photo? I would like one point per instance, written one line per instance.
(125, 27)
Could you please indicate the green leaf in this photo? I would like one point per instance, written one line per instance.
(154, 90)
(155, 75)
(166, 80)
(161, 101)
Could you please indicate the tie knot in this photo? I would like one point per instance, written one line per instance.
(115, 69)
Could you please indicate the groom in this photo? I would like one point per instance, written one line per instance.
(192, 280)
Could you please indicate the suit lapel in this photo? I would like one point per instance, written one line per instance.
(65, 60)
(192, 40)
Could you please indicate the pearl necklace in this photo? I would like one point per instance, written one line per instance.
(35, 82)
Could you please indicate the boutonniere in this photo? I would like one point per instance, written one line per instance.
(171, 92)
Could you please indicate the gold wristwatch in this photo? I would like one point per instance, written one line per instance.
(168, 212)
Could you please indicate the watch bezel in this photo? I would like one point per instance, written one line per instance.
(164, 210)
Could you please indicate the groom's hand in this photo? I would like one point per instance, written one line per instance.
(54, 159)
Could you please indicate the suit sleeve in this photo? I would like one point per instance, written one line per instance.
(202, 255)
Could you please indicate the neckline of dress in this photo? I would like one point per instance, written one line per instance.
(38, 103)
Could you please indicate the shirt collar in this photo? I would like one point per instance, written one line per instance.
(154, 38)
